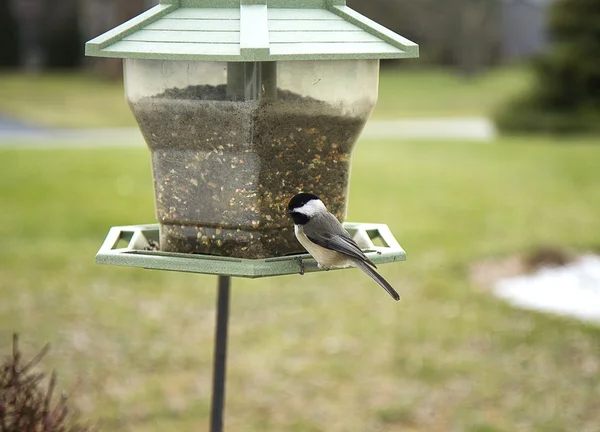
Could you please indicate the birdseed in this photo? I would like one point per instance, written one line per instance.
(224, 170)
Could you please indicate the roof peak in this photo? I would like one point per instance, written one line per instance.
(296, 4)
(234, 30)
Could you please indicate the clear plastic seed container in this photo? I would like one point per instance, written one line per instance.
(231, 143)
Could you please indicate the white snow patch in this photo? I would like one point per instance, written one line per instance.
(571, 290)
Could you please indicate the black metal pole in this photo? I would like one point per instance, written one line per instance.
(220, 355)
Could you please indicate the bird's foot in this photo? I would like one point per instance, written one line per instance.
(303, 265)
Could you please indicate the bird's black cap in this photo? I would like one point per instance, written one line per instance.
(300, 199)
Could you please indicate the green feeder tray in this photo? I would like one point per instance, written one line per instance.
(132, 246)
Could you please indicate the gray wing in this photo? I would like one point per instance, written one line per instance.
(332, 235)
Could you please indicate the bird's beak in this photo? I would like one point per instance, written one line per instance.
(289, 212)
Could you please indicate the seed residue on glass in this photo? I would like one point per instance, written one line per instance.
(224, 170)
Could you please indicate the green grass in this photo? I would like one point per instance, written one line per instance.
(79, 100)
(324, 352)
(443, 93)
(71, 100)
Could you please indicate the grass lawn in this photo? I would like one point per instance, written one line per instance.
(64, 100)
(79, 100)
(443, 93)
(324, 352)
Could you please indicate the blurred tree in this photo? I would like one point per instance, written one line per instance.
(477, 35)
(40, 34)
(45, 33)
(29, 15)
(64, 45)
(460, 33)
(566, 94)
(9, 53)
(466, 34)
(98, 16)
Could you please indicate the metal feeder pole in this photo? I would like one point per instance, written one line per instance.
(220, 355)
(245, 81)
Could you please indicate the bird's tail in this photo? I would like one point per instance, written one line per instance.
(377, 278)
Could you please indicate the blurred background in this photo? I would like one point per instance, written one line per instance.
(482, 156)
(469, 35)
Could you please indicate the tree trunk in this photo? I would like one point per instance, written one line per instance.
(29, 15)
(99, 16)
(475, 36)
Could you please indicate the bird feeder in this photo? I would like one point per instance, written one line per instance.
(243, 104)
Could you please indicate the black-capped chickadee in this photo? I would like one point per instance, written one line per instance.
(326, 240)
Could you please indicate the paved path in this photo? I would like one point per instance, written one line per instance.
(16, 134)
(12, 126)
(463, 129)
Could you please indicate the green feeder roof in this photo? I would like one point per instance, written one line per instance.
(251, 30)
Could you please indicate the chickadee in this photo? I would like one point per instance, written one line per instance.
(327, 241)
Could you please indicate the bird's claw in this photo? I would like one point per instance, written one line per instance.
(301, 264)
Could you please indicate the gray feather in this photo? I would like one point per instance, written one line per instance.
(377, 278)
(332, 235)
